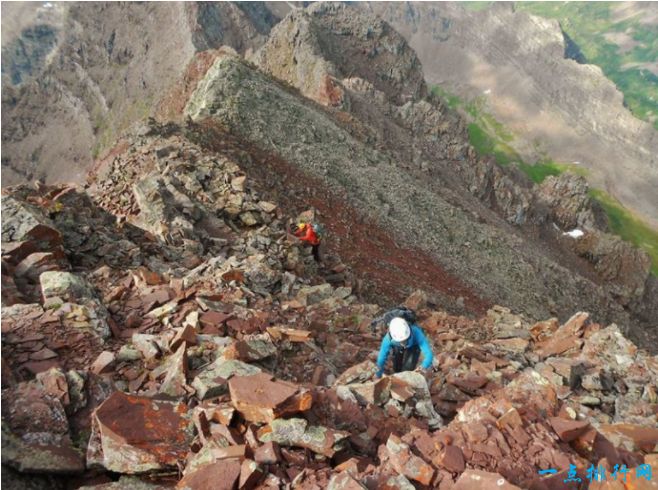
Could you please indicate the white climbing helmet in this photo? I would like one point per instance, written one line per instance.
(399, 329)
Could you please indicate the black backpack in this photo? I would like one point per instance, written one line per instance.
(400, 312)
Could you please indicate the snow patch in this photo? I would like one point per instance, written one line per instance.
(575, 233)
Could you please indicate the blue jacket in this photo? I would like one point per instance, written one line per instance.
(417, 339)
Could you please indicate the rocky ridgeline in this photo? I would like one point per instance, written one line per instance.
(402, 158)
(164, 331)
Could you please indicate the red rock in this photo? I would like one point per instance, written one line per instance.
(32, 266)
(568, 430)
(149, 277)
(631, 437)
(133, 319)
(355, 465)
(36, 367)
(469, 383)
(213, 319)
(407, 463)
(558, 345)
(344, 481)
(294, 457)
(268, 453)
(250, 474)
(115, 294)
(103, 363)
(290, 334)
(260, 398)
(475, 431)
(233, 275)
(510, 418)
(132, 434)
(223, 475)
(542, 330)
(320, 374)
(54, 383)
(400, 390)
(482, 480)
(175, 382)
(186, 334)
(451, 458)
(14, 252)
(43, 355)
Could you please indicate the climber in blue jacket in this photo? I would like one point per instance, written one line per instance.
(407, 342)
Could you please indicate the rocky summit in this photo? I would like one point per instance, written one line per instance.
(162, 328)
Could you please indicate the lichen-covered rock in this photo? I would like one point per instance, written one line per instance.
(297, 432)
(213, 380)
(65, 285)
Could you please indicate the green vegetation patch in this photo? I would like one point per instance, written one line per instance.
(491, 138)
(543, 168)
(592, 27)
(623, 223)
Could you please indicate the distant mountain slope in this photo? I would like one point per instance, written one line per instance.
(555, 105)
(620, 37)
(74, 75)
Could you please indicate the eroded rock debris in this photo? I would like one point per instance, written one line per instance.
(163, 330)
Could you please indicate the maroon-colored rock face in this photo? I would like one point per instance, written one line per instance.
(214, 476)
(137, 434)
(260, 398)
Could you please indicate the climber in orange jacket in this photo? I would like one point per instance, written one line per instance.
(307, 233)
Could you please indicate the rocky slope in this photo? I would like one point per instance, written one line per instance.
(519, 63)
(404, 160)
(74, 75)
(162, 330)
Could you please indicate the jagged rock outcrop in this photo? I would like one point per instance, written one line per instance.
(315, 48)
(570, 205)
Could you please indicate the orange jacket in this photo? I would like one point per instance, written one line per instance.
(306, 233)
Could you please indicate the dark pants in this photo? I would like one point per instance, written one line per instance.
(316, 252)
(405, 359)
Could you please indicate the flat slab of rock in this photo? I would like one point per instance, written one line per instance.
(213, 380)
(631, 437)
(568, 430)
(358, 373)
(133, 434)
(290, 334)
(297, 432)
(251, 350)
(260, 398)
(215, 476)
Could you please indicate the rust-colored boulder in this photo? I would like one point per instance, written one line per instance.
(133, 434)
(214, 476)
(568, 430)
(261, 398)
(406, 463)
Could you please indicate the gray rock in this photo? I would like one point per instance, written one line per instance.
(213, 380)
(65, 285)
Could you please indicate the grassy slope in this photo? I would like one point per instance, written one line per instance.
(490, 137)
(587, 23)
